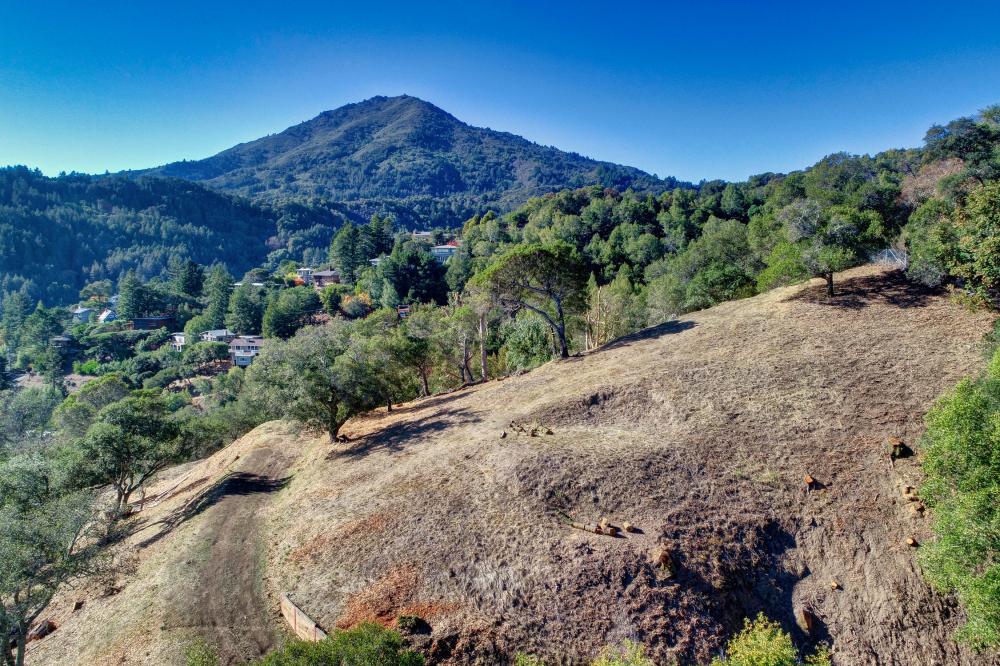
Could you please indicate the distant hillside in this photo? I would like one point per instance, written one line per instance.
(406, 155)
(58, 233)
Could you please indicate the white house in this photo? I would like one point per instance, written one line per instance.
(82, 315)
(107, 316)
(177, 342)
(243, 349)
(218, 335)
(306, 274)
(443, 252)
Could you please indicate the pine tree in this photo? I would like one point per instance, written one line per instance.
(346, 250)
(245, 311)
(132, 297)
(218, 287)
(187, 276)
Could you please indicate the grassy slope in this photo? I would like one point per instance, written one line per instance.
(699, 432)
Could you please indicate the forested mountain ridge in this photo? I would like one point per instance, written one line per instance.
(58, 233)
(403, 152)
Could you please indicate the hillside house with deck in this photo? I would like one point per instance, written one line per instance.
(244, 348)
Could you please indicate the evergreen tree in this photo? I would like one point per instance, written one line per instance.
(187, 277)
(245, 311)
(133, 301)
(346, 251)
(218, 287)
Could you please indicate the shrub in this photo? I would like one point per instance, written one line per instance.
(200, 653)
(761, 642)
(961, 462)
(527, 343)
(90, 367)
(628, 654)
(521, 659)
(366, 644)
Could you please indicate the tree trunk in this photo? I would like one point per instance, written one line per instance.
(483, 331)
(123, 496)
(563, 347)
(21, 640)
(388, 406)
(423, 381)
(829, 284)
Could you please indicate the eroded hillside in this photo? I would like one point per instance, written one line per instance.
(699, 432)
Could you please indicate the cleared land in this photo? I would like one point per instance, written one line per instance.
(699, 432)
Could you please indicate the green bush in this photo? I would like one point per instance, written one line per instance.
(200, 653)
(365, 645)
(521, 659)
(527, 343)
(961, 461)
(762, 642)
(628, 654)
(90, 367)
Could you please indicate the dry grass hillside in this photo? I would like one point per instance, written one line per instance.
(698, 432)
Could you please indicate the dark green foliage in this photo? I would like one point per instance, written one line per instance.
(549, 280)
(128, 442)
(527, 342)
(414, 276)
(57, 234)
(187, 277)
(961, 461)
(367, 644)
(78, 411)
(289, 311)
(218, 287)
(246, 310)
(313, 378)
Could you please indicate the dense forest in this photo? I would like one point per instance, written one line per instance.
(565, 272)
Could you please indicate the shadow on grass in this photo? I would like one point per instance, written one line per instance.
(232, 484)
(651, 333)
(396, 437)
(859, 292)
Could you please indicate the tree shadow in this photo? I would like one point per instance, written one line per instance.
(859, 292)
(754, 583)
(395, 437)
(651, 333)
(416, 405)
(232, 484)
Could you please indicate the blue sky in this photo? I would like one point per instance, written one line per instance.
(694, 90)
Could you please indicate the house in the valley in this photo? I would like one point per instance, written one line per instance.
(177, 341)
(244, 348)
(218, 335)
(444, 252)
(306, 274)
(81, 315)
(107, 316)
(325, 278)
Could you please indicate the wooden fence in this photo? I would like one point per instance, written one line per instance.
(303, 625)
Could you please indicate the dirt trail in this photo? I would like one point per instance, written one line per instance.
(200, 543)
(225, 600)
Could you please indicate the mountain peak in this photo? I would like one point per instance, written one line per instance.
(398, 152)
